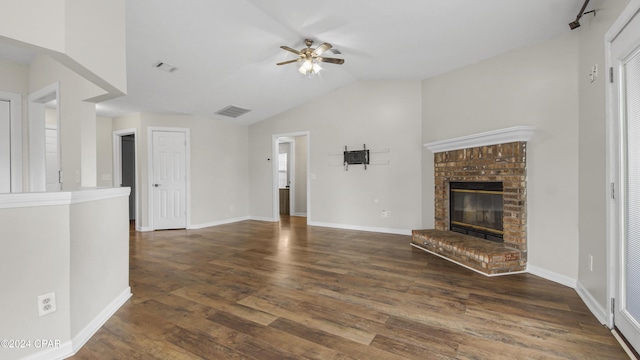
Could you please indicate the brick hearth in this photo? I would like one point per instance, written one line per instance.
(485, 256)
(501, 162)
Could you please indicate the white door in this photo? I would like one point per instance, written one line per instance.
(5, 147)
(169, 183)
(625, 51)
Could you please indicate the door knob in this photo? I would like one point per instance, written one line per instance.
(156, 185)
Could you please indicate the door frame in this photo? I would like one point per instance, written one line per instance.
(149, 182)
(291, 172)
(613, 175)
(15, 112)
(274, 172)
(117, 166)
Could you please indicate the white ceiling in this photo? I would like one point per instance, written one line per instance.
(226, 50)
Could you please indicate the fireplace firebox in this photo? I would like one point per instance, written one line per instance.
(476, 209)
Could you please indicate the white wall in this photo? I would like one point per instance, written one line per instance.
(77, 119)
(104, 151)
(300, 196)
(99, 266)
(78, 248)
(96, 39)
(88, 36)
(34, 261)
(593, 192)
(382, 115)
(219, 172)
(36, 22)
(15, 78)
(536, 85)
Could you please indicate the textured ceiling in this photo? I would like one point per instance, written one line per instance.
(225, 51)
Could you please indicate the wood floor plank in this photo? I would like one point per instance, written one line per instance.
(203, 295)
(406, 349)
(301, 348)
(129, 337)
(261, 290)
(308, 299)
(278, 307)
(354, 349)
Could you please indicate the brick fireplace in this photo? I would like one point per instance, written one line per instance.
(498, 156)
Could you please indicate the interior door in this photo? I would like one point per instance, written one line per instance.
(5, 147)
(625, 51)
(169, 184)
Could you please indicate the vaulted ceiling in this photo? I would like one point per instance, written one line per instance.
(225, 51)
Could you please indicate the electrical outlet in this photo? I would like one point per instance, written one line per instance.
(78, 176)
(386, 213)
(590, 262)
(46, 304)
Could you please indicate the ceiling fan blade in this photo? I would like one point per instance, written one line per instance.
(331, 60)
(290, 49)
(289, 61)
(322, 48)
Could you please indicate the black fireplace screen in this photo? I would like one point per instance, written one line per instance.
(476, 209)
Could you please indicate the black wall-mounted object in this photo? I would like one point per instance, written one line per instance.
(356, 157)
(576, 23)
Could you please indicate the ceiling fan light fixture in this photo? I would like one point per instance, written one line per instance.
(310, 58)
(309, 67)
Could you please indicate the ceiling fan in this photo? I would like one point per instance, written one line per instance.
(311, 57)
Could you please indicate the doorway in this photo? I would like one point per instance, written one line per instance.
(129, 171)
(45, 158)
(291, 175)
(623, 41)
(125, 170)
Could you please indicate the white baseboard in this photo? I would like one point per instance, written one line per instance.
(143, 228)
(361, 228)
(596, 309)
(260, 218)
(85, 334)
(552, 276)
(70, 348)
(299, 214)
(216, 223)
(64, 351)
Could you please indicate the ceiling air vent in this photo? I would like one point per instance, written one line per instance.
(164, 66)
(232, 111)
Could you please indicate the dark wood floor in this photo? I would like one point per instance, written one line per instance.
(259, 290)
